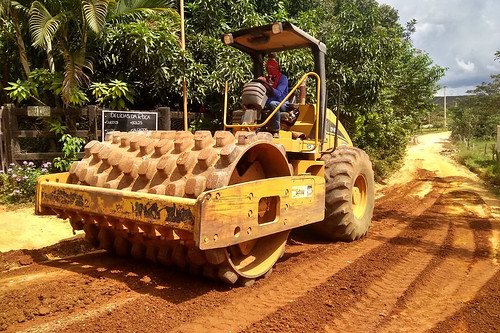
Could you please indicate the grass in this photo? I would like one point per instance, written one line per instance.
(480, 157)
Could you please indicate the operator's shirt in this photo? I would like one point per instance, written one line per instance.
(280, 92)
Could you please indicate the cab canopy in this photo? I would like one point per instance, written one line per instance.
(276, 37)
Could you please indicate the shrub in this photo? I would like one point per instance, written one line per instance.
(479, 159)
(18, 183)
(71, 146)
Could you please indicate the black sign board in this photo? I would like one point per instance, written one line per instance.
(128, 121)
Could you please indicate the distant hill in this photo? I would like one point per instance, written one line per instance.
(450, 100)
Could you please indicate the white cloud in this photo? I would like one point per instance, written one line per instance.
(493, 68)
(466, 66)
(427, 28)
(455, 91)
(461, 35)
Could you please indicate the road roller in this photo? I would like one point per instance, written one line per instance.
(221, 205)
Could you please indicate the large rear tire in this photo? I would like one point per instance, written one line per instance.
(349, 197)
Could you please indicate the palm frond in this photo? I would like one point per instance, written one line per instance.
(123, 6)
(95, 12)
(74, 74)
(23, 10)
(43, 25)
(125, 11)
(5, 7)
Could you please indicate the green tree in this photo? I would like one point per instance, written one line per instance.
(386, 82)
(70, 25)
(151, 58)
(13, 13)
(477, 116)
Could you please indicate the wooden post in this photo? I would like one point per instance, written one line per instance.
(3, 158)
(498, 141)
(165, 122)
(93, 122)
(10, 124)
(183, 48)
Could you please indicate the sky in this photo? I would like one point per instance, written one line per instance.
(461, 35)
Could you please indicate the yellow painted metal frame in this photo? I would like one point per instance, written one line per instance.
(53, 178)
(230, 215)
(217, 218)
(256, 126)
(120, 205)
(313, 167)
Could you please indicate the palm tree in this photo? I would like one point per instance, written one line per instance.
(69, 27)
(10, 12)
(70, 23)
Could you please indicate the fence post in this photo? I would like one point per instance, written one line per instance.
(498, 141)
(93, 122)
(165, 118)
(3, 159)
(10, 124)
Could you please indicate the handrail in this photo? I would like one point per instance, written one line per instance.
(337, 116)
(316, 110)
(225, 108)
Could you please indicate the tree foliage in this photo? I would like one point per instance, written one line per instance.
(387, 84)
(477, 116)
(85, 45)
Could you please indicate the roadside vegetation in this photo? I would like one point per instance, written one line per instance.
(18, 182)
(480, 157)
(474, 129)
(125, 54)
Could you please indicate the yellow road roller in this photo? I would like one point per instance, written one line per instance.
(222, 204)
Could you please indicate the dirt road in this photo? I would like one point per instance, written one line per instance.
(430, 262)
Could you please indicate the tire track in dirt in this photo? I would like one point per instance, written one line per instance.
(480, 312)
(342, 298)
(281, 290)
(287, 290)
(79, 316)
(456, 275)
(389, 290)
(50, 291)
(383, 294)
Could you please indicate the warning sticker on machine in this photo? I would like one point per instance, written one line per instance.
(302, 191)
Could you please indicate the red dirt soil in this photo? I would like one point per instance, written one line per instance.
(430, 262)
